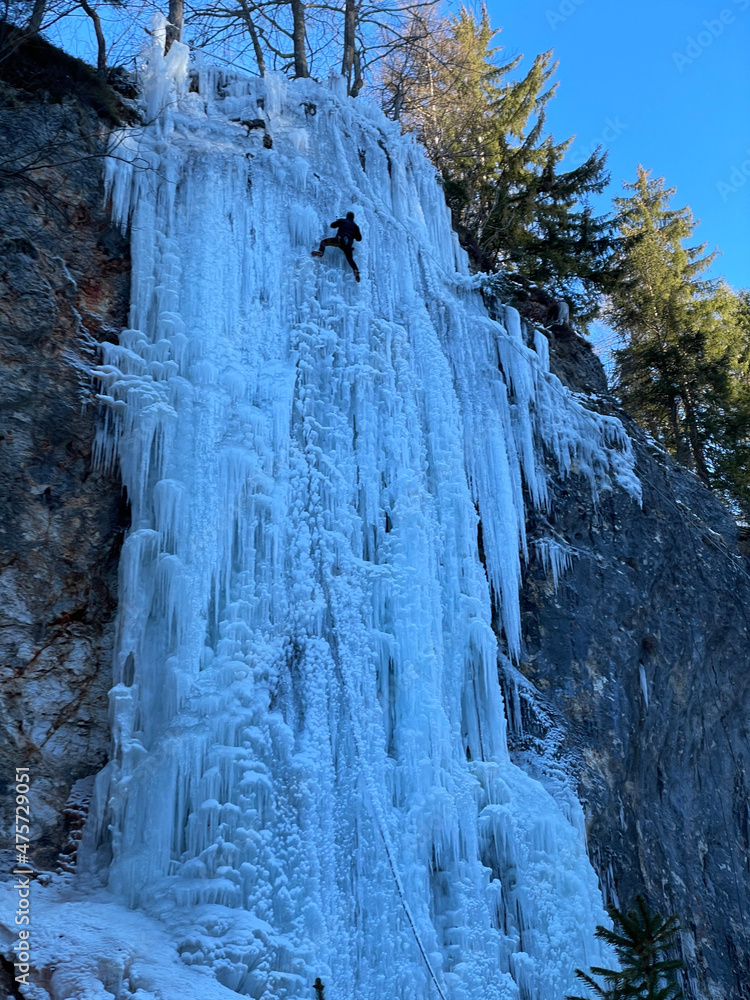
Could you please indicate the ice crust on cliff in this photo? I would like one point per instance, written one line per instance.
(310, 774)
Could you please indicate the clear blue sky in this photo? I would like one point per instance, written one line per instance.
(630, 79)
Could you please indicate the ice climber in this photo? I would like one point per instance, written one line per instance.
(347, 232)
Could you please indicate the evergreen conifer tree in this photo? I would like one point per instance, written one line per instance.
(660, 307)
(485, 133)
(684, 370)
(640, 939)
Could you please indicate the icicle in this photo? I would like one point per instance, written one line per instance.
(556, 556)
(644, 683)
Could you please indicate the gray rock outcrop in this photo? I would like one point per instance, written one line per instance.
(64, 285)
(636, 677)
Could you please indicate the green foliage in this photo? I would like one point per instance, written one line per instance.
(684, 369)
(727, 419)
(485, 133)
(542, 228)
(640, 939)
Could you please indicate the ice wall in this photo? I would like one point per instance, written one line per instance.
(310, 775)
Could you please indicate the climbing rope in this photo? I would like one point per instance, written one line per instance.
(362, 757)
(374, 801)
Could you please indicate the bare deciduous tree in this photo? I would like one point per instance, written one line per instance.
(277, 31)
(101, 45)
(37, 16)
(315, 38)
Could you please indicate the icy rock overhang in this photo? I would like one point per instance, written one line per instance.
(310, 775)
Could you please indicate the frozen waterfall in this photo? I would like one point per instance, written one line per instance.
(310, 774)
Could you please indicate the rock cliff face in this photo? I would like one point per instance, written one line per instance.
(64, 284)
(636, 677)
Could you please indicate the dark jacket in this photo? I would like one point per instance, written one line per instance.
(348, 230)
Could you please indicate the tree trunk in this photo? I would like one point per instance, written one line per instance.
(174, 27)
(358, 80)
(681, 447)
(299, 38)
(350, 24)
(398, 100)
(101, 45)
(253, 31)
(694, 438)
(37, 16)
(259, 57)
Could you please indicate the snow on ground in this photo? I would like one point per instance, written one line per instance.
(310, 775)
(91, 947)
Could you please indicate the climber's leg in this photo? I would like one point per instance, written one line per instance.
(332, 241)
(350, 257)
